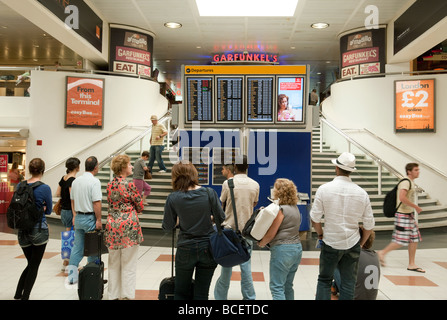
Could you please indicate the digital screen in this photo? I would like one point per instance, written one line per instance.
(415, 105)
(199, 102)
(229, 99)
(199, 157)
(259, 99)
(290, 99)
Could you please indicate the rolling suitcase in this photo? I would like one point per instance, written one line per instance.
(91, 277)
(167, 285)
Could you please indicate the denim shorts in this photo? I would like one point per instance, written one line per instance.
(67, 218)
(33, 237)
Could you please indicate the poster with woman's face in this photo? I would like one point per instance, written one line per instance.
(290, 99)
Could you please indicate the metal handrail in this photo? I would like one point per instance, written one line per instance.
(73, 69)
(419, 161)
(375, 75)
(380, 162)
(87, 147)
(165, 117)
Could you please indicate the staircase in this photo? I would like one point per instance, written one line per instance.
(152, 215)
(433, 214)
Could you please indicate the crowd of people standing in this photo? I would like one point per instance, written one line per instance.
(345, 247)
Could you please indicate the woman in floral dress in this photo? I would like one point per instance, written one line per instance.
(123, 231)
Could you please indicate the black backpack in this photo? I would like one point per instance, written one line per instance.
(389, 204)
(23, 213)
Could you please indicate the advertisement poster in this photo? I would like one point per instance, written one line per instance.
(85, 102)
(290, 99)
(3, 163)
(130, 51)
(362, 53)
(415, 105)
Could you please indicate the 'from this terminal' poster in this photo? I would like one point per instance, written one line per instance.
(415, 105)
(85, 102)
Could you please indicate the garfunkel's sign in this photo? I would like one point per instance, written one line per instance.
(245, 57)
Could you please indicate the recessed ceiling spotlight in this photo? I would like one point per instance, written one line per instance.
(319, 25)
(173, 25)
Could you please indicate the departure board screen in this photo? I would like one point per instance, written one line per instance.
(199, 104)
(259, 99)
(229, 98)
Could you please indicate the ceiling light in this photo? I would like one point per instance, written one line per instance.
(246, 8)
(173, 25)
(319, 25)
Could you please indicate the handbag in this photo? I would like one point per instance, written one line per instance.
(228, 247)
(92, 242)
(67, 243)
(147, 175)
(57, 208)
(246, 232)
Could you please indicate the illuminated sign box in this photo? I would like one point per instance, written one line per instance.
(245, 94)
(290, 100)
(415, 105)
(84, 107)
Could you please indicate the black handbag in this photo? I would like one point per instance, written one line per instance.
(94, 243)
(246, 232)
(228, 246)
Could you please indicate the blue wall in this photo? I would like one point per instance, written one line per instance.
(272, 155)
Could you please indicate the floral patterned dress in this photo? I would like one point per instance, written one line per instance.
(123, 228)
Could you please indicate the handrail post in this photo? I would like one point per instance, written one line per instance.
(379, 179)
(321, 136)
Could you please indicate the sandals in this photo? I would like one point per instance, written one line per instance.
(420, 270)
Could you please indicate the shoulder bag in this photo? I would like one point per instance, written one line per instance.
(228, 247)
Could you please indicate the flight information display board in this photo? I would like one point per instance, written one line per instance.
(260, 99)
(229, 96)
(199, 103)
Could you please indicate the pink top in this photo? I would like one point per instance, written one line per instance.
(123, 228)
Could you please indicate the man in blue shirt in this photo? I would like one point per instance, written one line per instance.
(86, 199)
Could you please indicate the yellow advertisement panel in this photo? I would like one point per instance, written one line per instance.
(415, 105)
(247, 70)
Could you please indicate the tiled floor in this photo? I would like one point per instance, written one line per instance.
(396, 283)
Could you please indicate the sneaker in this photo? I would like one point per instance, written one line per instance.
(162, 171)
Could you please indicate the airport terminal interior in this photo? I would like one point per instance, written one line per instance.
(83, 77)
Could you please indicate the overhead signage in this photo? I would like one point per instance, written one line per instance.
(245, 57)
(90, 25)
(244, 70)
(363, 53)
(84, 102)
(421, 16)
(414, 105)
(130, 51)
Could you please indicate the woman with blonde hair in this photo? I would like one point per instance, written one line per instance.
(190, 206)
(123, 233)
(284, 240)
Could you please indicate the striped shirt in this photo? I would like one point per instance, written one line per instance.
(157, 130)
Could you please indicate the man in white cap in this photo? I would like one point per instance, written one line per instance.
(343, 204)
(156, 141)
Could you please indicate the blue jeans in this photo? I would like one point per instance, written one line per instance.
(67, 218)
(223, 283)
(155, 154)
(284, 261)
(189, 258)
(83, 223)
(347, 263)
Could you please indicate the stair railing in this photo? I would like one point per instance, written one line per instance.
(165, 118)
(379, 161)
